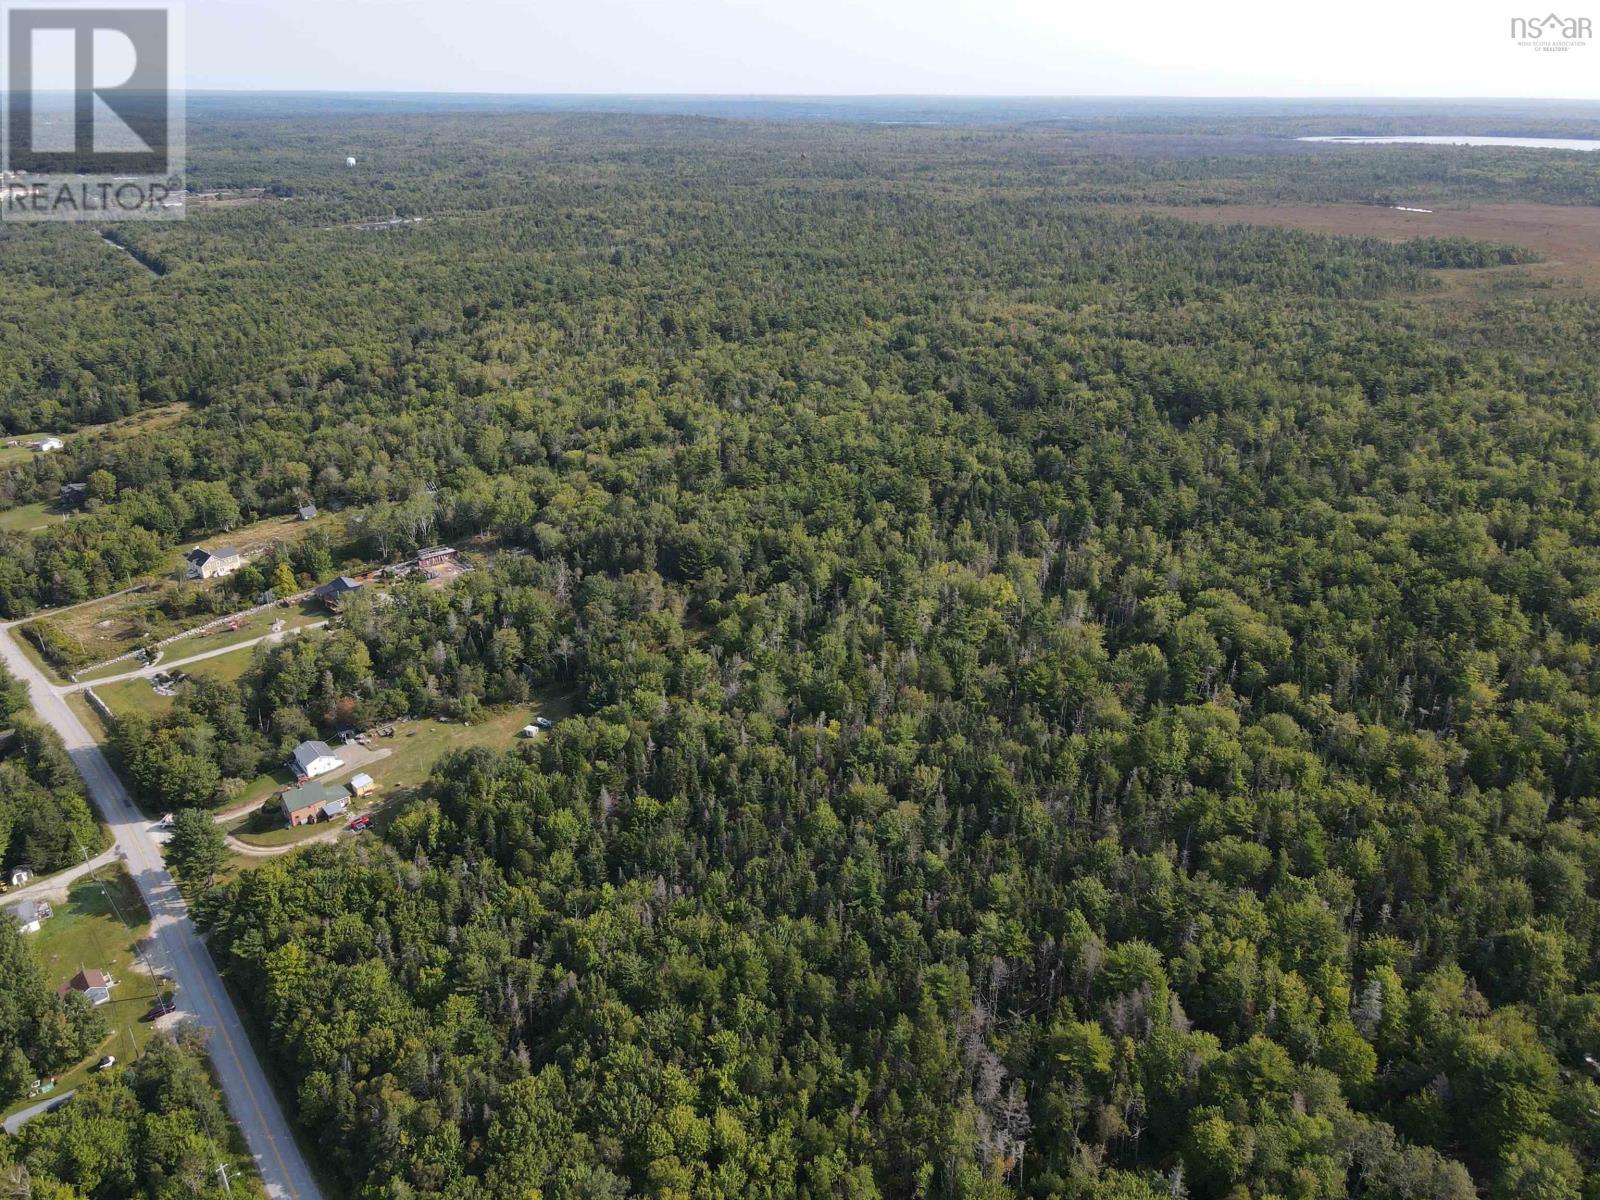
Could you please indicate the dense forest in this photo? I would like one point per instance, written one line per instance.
(45, 822)
(155, 1129)
(1070, 703)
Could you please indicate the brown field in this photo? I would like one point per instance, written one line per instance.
(1568, 237)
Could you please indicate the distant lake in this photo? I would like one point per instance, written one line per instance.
(1463, 140)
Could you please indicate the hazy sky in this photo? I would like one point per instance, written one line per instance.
(979, 47)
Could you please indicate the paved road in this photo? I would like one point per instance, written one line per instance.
(23, 1115)
(177, 945)
(165, 665)
(60, 881)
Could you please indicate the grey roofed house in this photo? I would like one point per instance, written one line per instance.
(308, 512)
(199, 554)
(339, 586)
(336, 591)
(28, 916)
(73, 493)
(308, 754)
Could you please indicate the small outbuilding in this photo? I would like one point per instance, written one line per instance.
(308, 512)
(20, 875)
(362, 785)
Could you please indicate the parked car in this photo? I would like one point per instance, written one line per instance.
(359, 824)
(160, 1009)
(106, 1063)
(543, 722)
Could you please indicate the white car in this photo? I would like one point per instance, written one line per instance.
(106, 1063)
(543, 722)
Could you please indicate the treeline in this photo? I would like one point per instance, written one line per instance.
(45, 820)
(150, 1130)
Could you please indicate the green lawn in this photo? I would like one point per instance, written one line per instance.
(136, 695)
(97, 926)
(413, 750)
(29, 517)
(266, 828)
(306, 613)
(92, 721)
(417, 745)
(119, 666)
(252, 627)
(20, 452)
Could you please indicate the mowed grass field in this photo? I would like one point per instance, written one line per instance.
(137, 696)
(97, 927)
(20, 452)
(150, 421)
(256, 538)
(29, 517)
(308, 612)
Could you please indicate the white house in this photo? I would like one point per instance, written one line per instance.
(315, 758)
(29, 915)
(212, 564)
(46, 445)
(20, 876)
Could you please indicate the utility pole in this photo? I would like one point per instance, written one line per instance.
(222, 1169)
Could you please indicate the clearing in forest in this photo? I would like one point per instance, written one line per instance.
(1567, 237)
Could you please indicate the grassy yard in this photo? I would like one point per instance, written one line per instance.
(29, 518)
(10, 455)
(254, 539)
(417, 745)
(136, 695)
(267, 830)
(97, 926)
(261, 623)
(413, 751)
(166, 605)
(85, 712)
